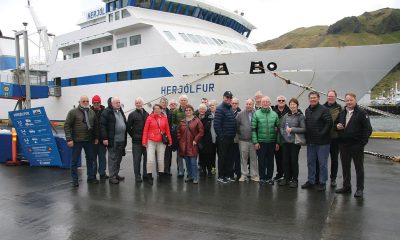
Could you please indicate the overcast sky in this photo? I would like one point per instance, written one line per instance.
(271, 17)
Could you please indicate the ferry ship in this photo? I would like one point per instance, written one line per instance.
(154, 48)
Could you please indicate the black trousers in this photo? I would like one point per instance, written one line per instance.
(205, 161)
(266, 160)
(334, 153)
(225, 163)
(347, 153)
(279, 162)
(290, 153)
(167, 159)
(235, 155)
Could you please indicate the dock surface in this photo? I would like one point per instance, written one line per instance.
(39, 203)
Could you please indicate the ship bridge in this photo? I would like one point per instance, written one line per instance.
(196, 9)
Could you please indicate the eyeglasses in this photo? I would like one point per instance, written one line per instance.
(281, 100)
(85, 101)
(188, 110)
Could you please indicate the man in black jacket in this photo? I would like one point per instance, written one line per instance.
(100, 151)
(134, 126)
(318, 125)
(113, 133)
(354, 129)
(334, 109)
(281, 108)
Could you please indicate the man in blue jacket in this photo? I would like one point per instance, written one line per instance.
(225, 128)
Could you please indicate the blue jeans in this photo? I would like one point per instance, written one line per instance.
(76, 153)
(318, 153)
(191, 166)
(100, 156)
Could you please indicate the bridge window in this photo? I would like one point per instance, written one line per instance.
(184, 37)
(143, 3)
(169, 35)
(124, 3)
(201, 39)
(125, 13)
(75, 55)
(96, 50)
(209, 41)
(107, 48)
(215, 40)
(193, 38)
(121, 43)
(135, 40)
(117, 16)
(111, 17)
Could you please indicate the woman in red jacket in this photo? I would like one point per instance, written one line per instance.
(190, 131)
(156, 125)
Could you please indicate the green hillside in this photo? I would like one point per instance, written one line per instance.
(378, 27)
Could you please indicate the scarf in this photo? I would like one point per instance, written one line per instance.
(86, 113)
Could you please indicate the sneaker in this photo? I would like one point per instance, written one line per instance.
(113, 180)
(104, 177)
(277, 177)
(283, 182)
(255, 179)
(333, 183)
(138, 179)
(120, 178)
(307, 185)
(270, 182)
(93, 181)
(225, 180)
(344, 190)
(359, 194)
(181, 175)
(293, 184)
(242, 178)
(189, 179)
(220, 179)
(230, 179)
(195, 181)
(321, 187)
(75, 184)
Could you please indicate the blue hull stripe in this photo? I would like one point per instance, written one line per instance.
(147, 73)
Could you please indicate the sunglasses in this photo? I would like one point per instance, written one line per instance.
(281, 100)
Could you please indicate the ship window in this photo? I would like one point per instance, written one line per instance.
(173, 7)
(164, 7)
(124, 3)
(108, 78)
(75, 55)
(136, 74)
(111, 17)
(57, 81)
(201, 39)
(107, 48)
(125, 13)
(122, 76)
(169, 35)
(143, 3)
(121, 43)
(196, 12)
(117, 16)
(96, 50)
(209, 41)
(189, 10)
(184, 37)
(215, 40)
(157, 4)
(112, 6)
(220, 41)
(193, 38)
(73, 81)
(181, 9)
(135, 40)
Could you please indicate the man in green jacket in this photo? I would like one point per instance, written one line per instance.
(81, 131)
(177, 116)
(265, 124)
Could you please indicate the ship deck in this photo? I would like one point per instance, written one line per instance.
(39, 203)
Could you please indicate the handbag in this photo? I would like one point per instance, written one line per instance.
(300, 139)
(164, 136)
(199, 144)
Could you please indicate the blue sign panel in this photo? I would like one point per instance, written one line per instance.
(6, 89)
(35, 136)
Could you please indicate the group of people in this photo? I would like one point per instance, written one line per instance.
(245, 142)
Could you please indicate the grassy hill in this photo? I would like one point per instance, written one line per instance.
(378, 27)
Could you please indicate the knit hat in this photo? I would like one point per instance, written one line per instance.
(96, 98)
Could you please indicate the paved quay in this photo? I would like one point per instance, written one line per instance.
(39, 203)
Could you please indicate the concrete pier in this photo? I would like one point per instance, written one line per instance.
(39, 203)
